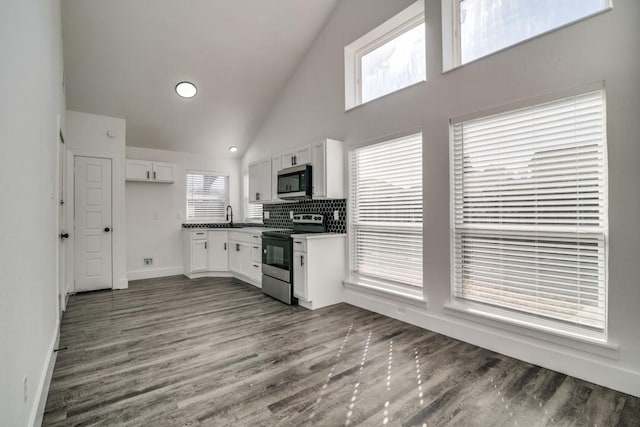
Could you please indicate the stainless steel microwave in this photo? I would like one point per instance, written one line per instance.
(295, 183)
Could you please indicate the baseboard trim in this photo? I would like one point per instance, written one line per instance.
(40, 400)
(154, 273)
(578, 364)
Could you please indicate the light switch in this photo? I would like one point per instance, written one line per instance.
(291, 214)
(336, 216)
(266, 214)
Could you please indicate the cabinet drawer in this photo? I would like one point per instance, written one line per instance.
(300, 244)
(256, 253)
(198, 235)
(256, 272)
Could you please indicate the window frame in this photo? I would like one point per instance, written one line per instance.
(394, 289)
(452, 50)
(399, 24)
(506, 315)
(226, 196)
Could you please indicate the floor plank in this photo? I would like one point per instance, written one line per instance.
(180, 352)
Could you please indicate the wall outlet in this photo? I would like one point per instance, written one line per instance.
(266, 214)
(25, 388)
(148, 261)
(291, 214)
(336, 216)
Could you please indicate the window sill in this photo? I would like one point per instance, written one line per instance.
(573, 340)
(386, 290)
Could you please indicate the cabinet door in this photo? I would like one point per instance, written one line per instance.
(163, 172)
(235, 260)
(254, 182)
(246, 266)
(302, 156)
(318, 171)
(265, 181)
(300, 275)
(218, 251)
(198, 256)
(276, 165)
(288, 159)
(138, 170)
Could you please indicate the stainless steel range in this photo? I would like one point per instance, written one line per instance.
(277, 256)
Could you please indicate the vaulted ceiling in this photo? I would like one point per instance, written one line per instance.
(123, 58)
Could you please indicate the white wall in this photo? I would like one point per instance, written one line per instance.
(31, 100)
(155, 212)
(87, 136)
(602, 48)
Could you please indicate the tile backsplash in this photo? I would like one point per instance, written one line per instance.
(279, 213)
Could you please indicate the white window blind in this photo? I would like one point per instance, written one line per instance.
(385, 199)
(529, 211)
(207, 195)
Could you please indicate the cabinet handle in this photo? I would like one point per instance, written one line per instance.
(154, 174)
(205, 245)
(237, 247)
(225, 246)
(257, 196)
(256, 247)
(297, 243)
(301, 260)
(148, 175)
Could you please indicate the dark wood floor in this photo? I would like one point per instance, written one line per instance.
(181, 352)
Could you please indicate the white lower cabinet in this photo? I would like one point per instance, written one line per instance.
(221, 253)
(318, 269)
(218, 258)
(198, 256)
(300, 276)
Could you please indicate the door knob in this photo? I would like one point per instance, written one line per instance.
(64, 235)
(107, 229)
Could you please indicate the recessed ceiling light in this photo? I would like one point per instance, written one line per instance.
(186, 89)
(233, 148)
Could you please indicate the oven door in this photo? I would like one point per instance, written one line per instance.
(295, 182)
(277, 257)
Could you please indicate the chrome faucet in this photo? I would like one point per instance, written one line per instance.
(229, 207)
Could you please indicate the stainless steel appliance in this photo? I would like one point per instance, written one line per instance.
(295, 183)
(277, 256)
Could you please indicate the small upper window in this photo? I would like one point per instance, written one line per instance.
(387, 59)
(479, 27)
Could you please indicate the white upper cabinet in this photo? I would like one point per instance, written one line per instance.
(276, 165)
(327, 162)
(145, 170)
(328, 169)
(296, 157)
(138, 170)
(163, 172)
(260, 184)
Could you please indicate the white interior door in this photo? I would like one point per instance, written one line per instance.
(93, 260)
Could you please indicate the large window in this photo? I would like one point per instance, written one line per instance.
(385, 197)
(529, 213)
(207, 195)
(475, 28)
(387, 59)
